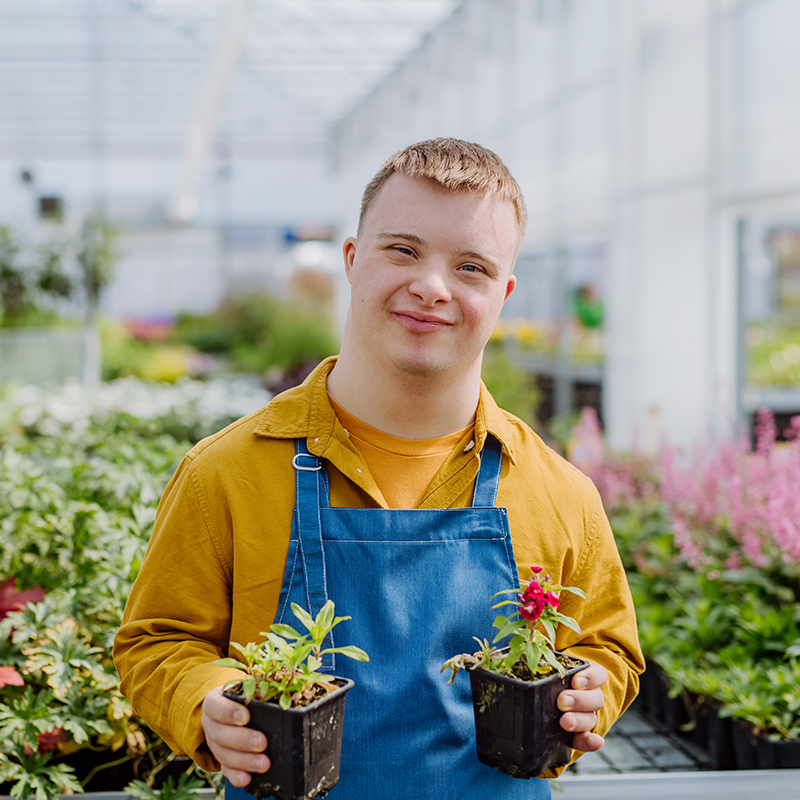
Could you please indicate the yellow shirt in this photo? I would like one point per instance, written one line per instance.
(214, 566)
(402, 468)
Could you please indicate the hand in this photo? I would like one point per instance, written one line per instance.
(239, 750)
(581, 704)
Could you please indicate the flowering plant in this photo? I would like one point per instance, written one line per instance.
(531, 652)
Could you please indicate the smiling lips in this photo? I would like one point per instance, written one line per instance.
(420, 323)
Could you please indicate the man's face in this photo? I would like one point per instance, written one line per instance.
(429, 275)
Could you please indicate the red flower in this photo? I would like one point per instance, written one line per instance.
(48, 741)
(12, 600)
(551, 599)
(536, 570)
(533, 602)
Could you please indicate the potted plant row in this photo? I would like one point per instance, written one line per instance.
(515, 688)
(299, 709)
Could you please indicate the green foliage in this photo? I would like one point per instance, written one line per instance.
(80, 478)
(285, 667)
(287, 336)
(185, 789)
(513, 388)
(29, 275)
(530, 652)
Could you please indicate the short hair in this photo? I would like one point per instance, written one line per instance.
(453, 164)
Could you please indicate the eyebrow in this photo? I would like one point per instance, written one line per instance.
(412, 237)
(409, 237)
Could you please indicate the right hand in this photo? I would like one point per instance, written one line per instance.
(238, 749)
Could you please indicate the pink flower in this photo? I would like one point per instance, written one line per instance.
(533, 602)
(551, 599)
(10, 677)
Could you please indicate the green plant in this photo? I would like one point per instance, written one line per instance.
(513, 387)
(285, 667)
(185, 789)
(28, 275)
(531, 651)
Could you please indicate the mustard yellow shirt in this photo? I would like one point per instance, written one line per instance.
(402, 468)
(215, 562)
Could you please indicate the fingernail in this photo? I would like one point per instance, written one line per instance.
(239, 717)
(260, 764)
(580, 682)
(567, 702)
(256, 743)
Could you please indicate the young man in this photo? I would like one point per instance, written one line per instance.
(428, 500)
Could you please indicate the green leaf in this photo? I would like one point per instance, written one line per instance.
(325, 617)
(351, 651)
(569, 622)
(228, 662)
(303, 616)
(287, 631)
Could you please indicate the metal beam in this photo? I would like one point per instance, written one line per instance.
(234, 27)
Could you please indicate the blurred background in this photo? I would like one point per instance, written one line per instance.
(176, 179)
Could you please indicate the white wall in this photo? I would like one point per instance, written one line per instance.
(649, 125)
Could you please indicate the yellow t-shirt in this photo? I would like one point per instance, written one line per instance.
(402, 468)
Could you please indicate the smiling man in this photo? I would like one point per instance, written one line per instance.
(433, 499)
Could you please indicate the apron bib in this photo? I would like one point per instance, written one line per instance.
(417, 584)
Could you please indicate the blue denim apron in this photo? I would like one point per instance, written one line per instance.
(417, 584)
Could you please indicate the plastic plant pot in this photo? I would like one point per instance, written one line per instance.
(303, 744)
(781, 754)
(517, 723)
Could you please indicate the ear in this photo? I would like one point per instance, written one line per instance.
(349, 254)
(510, 286)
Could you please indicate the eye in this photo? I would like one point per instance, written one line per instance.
(470, 268)
(401, 248)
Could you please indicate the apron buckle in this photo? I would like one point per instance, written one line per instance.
(296, 464)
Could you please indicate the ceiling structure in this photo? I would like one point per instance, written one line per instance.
(175, 78)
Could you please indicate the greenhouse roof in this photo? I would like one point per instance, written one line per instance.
(144, 78)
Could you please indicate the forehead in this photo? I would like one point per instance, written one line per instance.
(423, 207)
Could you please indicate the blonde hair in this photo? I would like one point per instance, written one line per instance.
(453, 164)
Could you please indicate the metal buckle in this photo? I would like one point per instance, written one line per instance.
(306, 469)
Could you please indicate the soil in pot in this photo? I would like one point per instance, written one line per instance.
(303, 744)
(517, 723)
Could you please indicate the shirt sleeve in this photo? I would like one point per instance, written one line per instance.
(170, 635)
(607, 617)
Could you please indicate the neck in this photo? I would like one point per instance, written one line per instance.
(403, 405)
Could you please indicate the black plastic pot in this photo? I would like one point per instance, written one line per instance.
(783, 754)
(303, 744)
(744, 745)
(517, 723)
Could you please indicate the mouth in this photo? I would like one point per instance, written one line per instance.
(420, 323)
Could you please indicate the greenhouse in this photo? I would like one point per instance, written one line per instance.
(183, 271)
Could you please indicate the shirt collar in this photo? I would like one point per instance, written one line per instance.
(305, 412)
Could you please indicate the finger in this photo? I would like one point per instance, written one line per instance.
(232, 737)
(578, 723)
(220, 708)
(593, 677)
(584, 700)
(587, 742)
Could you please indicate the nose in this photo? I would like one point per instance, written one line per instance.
(430, 285)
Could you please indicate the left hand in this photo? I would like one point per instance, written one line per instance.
(581, 704)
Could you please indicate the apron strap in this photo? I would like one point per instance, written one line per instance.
(311, 482)
(488, 478)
